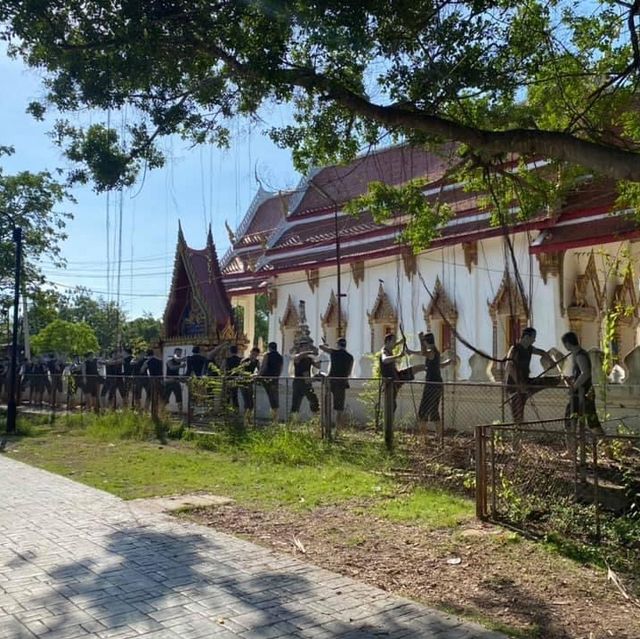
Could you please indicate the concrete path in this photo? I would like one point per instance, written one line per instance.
(78, 562)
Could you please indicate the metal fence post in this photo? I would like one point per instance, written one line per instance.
(481, 484)
(325, 409)
(596, 488)
(389, 402)
(583, 450)
(188, 386)
(493, 473)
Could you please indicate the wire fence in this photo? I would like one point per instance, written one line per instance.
(202, 402)
(512, 449)
(559, 480)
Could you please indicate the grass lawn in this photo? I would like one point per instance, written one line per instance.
(268, 468)
(342, 502)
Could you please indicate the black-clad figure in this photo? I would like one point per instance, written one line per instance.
(270, 371)
(389, 366)
(303, 362)
(91, 380)
(113, 381)
(137, 379)
(172, 385)
(519, 383)
(248, 367)
(56, 366)
(152, 368)
(197, 363)
(340, 367)
(429, 410)
(39, 380)
(581, 406)
(231, 372)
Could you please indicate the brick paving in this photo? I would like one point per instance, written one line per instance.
(78, 562)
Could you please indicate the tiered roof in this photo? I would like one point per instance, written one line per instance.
(297, 230)
(198, 306)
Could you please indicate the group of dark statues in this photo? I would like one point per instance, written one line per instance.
(128, 375)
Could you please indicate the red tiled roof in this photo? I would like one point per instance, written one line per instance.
(197, 270)
(574, 233)
(204, 263)
(395, 165)
(306, 237)
(265, 220)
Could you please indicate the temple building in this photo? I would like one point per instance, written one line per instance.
(566, 269)
(198, 310)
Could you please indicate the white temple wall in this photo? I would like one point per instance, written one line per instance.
(471, 292)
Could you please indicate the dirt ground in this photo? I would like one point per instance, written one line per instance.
(479, 571)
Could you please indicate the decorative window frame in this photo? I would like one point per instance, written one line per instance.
(382, 314)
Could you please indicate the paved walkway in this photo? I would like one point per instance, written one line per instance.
(78, 562)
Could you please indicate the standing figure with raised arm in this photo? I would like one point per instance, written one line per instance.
(389, 365)
(303, 362)
(247, 370)
(429, 410)
(519, 383)
(581, 406)
(340, 367)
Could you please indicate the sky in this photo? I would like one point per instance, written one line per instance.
(197, 186)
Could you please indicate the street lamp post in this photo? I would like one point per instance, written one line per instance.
(13, 370)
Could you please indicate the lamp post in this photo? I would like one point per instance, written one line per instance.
(13, 368)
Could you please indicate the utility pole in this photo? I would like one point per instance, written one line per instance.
(336, 208)
(338, 282)
(13, 371)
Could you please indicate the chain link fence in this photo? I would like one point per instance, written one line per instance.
(558, 480)
(451, 407)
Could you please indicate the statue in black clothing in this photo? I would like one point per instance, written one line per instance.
(231, 372)
(270, 372)
(303, 362)
(519, 383)
(172, 385)
(248, 367)
(197, 363)
(339, 372)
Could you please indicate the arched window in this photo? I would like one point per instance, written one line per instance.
(441, 317)
(329, 321)
(509, 314)
(289, 324)
(382, 319)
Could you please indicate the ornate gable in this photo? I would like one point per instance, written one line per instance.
(591, 275)
(626, 300)
(185, 313)
(198, 307)
(290, 317)
(508, 300)
(580, 309)
(382, 310)
(330, 317)
(440, 305)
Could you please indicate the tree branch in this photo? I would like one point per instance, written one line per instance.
(609, 160)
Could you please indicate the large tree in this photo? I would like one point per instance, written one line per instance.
(32, 201)
(544, 79)
(105, 317)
